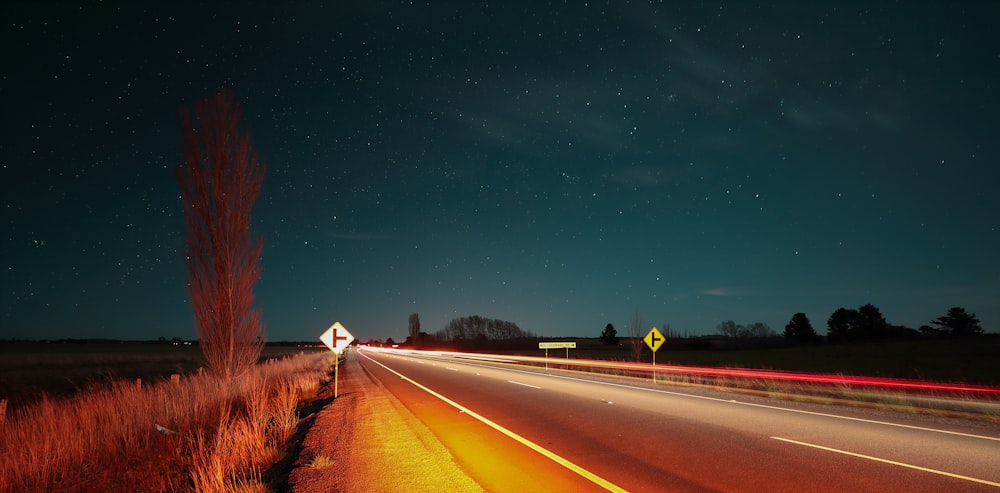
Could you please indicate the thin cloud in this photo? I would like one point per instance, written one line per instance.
(717, 292)
(818, 114)
(730, 292)
(357, 236)
(637, 175)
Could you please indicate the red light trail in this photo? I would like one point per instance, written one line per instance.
(715, 372)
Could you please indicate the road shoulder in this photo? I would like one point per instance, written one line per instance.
(366, 440)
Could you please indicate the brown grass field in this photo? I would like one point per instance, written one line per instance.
(106, 431)
(29, 370)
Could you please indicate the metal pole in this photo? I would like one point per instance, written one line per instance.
(336, 375)
(654, 366)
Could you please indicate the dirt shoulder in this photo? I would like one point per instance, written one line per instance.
(366, 440)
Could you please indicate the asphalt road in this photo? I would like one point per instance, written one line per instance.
(545, 430)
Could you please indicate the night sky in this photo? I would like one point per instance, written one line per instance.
(556, 164)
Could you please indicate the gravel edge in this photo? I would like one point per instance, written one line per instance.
(366, 440)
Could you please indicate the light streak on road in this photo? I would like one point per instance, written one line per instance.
(851, 452)
(523, 384)
(716, 372)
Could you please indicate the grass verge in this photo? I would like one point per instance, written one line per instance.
(196, 434)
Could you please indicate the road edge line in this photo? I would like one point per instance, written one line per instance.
(608, 485)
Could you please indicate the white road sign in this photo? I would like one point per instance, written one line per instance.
(336, 337)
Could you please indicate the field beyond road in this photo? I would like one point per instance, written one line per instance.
(29, 369)
(967, 361)
(59, 369)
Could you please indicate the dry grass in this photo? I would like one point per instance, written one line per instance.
(201, 434)
(321, 462)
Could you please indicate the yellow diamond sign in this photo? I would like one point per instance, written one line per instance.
(654, 339)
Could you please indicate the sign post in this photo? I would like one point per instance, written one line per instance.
(553, 345)
(336, 338)
(654, 340)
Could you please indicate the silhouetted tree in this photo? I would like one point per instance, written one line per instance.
(728, 329)
(757, 330)
(739, 331)
(872, 324)
(635, 335)
(610, 335)
(902, 332)
(866, 322)
(842, 325)
(415, 330)
(477, 331)
(928, 331)
(667, 331)
(800, 329)
(220, 179)
(959, 323)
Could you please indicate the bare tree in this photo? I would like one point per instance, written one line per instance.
(729, 329)
(220, 179)
(758, 330)
(739, 331)
(415, 330)
(635, 334)
(667, 331)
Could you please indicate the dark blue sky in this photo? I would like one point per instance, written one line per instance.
(558, 165)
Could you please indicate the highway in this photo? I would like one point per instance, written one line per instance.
(532, 429)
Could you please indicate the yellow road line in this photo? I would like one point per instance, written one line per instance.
(608, 485)
(887, 461)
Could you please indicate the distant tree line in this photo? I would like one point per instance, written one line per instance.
(843, 325)
(734, 330)
(750, 335)
(867, 323)
(481, 332)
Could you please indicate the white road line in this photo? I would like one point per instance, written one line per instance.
(608, 485)
(887, 461)
(483, 358)
(524, 384)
